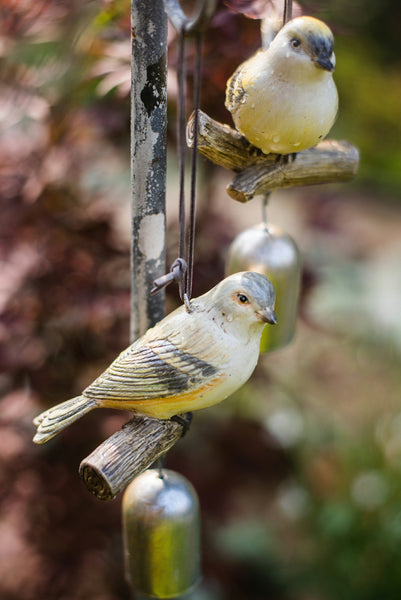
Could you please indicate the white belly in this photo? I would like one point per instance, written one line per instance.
(285, 118)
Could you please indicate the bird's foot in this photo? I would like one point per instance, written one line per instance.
(184, 421)
(285, 159)
(254, 151)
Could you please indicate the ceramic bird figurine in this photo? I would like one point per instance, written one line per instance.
(189, 360)
(284, 99)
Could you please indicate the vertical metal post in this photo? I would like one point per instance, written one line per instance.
(148, 160)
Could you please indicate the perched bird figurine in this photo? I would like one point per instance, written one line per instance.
(284, 99)
(189, 360)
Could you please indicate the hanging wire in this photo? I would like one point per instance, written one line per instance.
(181, 78)
(265, 201)
(287, 13)
(182, 268)
(287, 16)
(194, 163)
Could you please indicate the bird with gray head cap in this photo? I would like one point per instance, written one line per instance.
(284, 99)
(188, 361)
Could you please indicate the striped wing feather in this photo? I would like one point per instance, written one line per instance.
(154, 368)
(235, 91)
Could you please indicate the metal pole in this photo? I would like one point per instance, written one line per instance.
(148, 160)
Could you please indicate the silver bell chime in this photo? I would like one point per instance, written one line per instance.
(161, 529)
(268, 249)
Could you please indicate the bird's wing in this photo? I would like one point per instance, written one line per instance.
(235, 91)
(154, 368)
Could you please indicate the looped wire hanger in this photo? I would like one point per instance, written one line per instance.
(182, 268)
(195, 24)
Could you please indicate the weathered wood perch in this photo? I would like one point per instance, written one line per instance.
(258, 173)
(128, 452)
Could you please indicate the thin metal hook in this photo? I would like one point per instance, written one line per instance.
(177, 273)
(194, 24)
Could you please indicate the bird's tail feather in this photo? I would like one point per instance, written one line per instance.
(54, 420)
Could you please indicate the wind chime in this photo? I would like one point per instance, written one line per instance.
(160, 508)
(161, 511)
(268, 249)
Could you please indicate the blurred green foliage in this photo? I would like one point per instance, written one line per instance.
(368, 76)
(369, 93)
(353, 525)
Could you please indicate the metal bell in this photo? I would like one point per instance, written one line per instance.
(269, 250)
(161, 528)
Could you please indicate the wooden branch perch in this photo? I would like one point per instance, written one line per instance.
(128, 452)
(258, 173)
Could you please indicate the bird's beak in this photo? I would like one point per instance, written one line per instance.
(323, 62)
(267, 315)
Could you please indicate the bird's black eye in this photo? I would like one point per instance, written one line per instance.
(295, 42)
(242, 298)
